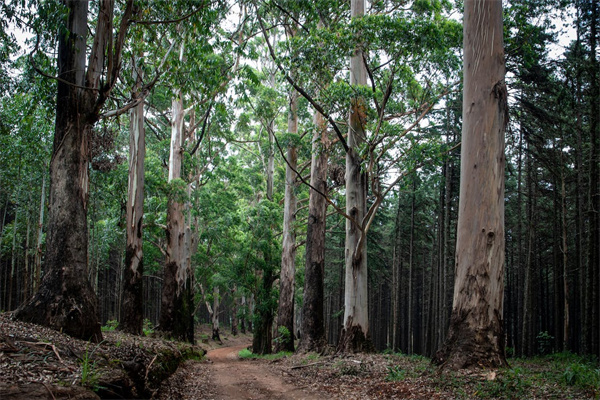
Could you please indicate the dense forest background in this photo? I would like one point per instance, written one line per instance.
(230, 67)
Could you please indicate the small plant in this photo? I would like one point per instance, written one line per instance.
(147, 328)
(544, 340)
(510, 352)
(89, 370)
(245, 353)
(111, 325)
(395, 374)
(284, 335)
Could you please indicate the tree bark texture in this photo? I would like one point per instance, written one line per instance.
(132, 309)
(313, 322)
(177, 301)
(476, 337)
(65, 299)
(40, 234)
(262, 338)
(355, 333)
(285, 312)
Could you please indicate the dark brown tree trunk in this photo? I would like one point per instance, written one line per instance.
(65, 299)
(476, 337)
(263, 335)
(132, 310)
(313, 323)
(40, 231)
(593, 278)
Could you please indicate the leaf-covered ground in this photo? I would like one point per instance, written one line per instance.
(37, 362)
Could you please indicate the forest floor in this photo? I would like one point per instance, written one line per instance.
(37, 362)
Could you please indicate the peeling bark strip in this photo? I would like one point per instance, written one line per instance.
(132, 312)
(177, 297)
(476, 337)
(356, 312)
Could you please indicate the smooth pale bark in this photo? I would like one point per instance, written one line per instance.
(355, 333)
(132, 310)
(476, 337)
(271, 158)
(285, 311)
(313, 320)
(177, 308)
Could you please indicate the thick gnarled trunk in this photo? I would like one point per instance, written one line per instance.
(65, 299)
(476, 337)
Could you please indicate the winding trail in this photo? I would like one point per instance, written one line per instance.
(237, 379)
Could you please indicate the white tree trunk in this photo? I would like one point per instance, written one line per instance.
(132, 311)
(285, 313)
(355, 334)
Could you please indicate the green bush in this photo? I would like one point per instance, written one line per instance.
(110, 326)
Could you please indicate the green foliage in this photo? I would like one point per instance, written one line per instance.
(284, 335)
(583, 375)
(395, 374)
(90, 373)
(110, 326)
(148, 327)
(509, 384)
(247, 354)
(544, 341)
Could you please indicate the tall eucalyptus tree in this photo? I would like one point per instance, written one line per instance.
(65, 299)
(476, 336)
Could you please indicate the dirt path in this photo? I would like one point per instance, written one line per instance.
(248, 379)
